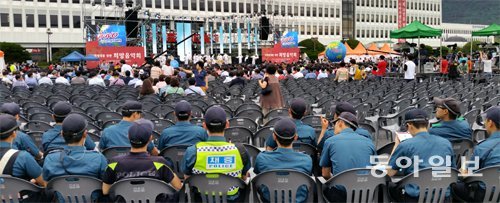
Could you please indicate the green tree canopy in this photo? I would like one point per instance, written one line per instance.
(353, 43)
(312, 48)
(466, 47)
(14, 52)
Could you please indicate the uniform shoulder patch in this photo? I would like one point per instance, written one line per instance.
(113, 165)
(158, 165)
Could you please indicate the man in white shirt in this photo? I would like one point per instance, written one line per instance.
(96, 79)
(409, 69)
(487, 64)
(192, 89)
(44, 79)
(125, 67)
(322, 74)
(61, 80)
(167, 69)
(297, 74)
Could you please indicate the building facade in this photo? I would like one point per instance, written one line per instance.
(26, 21)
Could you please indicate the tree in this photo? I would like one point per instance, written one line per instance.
(14, 52)
(352, 43)
(312, 48)
(475, 47)
(62, 52)
(445, 50)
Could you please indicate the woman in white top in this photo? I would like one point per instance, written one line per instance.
(409, 68)
(487, 64)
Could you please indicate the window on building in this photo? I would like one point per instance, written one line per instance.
(176, 4)
(241, 7)
(18, 20)
(167, 4)
(30, 20)
(53, 1)
(53, 21)
(76, 22)
(218, 6)
(65, 21)
(185, 5)
(332, 30)
(74, 1)
(337, 13)
(149, 3)
(321, 30)
(302, 29)
(42, 20)
(283, 10)
(234, 7)
(320, 12)
(314, 28)
(194, 5)
(157, 3)
(64, 1)
(226, 6)
(302, 11)
(308, 12)
(295, 11)
(249, 8)
(28, 0)
(314, 12)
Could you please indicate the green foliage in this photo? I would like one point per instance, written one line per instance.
(466, 47)
(352, 43)
(444, 49)
(312, 48)
(14, 52)
(62, 52)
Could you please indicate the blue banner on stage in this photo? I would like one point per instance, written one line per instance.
(112, 36)
(155, 40)
(290, 40)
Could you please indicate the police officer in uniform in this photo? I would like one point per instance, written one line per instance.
(305, 132)
(451, 126)
(138, 163)
(117, 135)
(74, 158)
(196, 157)
(329, 132)
(183, 132)
(15, 162)
(22, 141)
(422, 144)
(52, 139)
(284, 157)
(488, 153)
(346, 150)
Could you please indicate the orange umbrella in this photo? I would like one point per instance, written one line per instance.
(348, 49)
(372, 49)
(359, 50)
(387, 50)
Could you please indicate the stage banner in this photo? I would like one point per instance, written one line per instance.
(239, 43)
(249, 30)
(164, 37)
(155, 40)
(143, 35)
(179, 28)
(112, 36)
(290, 39)
(202, 42)
(230, 37)
(188, 44)
(279, 54)
(255, 36)
(211, 41)
(221, 38)
(132, 55)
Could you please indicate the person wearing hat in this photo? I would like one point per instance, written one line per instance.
(284, 157)
(138, 163)
(52, 139)
(205, 157)
(17, 163)
(74, 158)
(339, 154)
(424, 145)
(22, 141)
(451, 126)
(117, 135)
(305, 133)
(329, 132)
(488, 154)
(183, 132)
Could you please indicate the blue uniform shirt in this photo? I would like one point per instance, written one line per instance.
(24, 142)
(74, 160)
(117, 136)
(452, 130)
(423, 145)
(25, 166)
(330, 133)
(52, 139)
(310, 75)
(200, 77)
(283, 158)
(305, 134)
(347, 150)
(183, 132)
(488, 151)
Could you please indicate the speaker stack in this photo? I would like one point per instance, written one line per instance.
(264, 28)
(131, 23)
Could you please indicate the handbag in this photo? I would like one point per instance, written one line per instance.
(267, 90)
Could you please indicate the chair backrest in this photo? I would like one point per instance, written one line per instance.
(140, 189)
(162, 110)
(252, 153)
(74, 188)
(213, 187)
(196, 121)
(471, 116)
(109, 123)
(175, 154)
(490, 176)
(272, 122)
(313, 121)
(36, 136)
(11, 188)
(107, 116)
(283, 185)
(259, 138)
(462, 148)
(115, 151)
(254, 114)
(311, 151)
(238, 135)
(432, 187)
(45, 117)
(360, 184)
(37, 126)
(277, 113)
(161, 124)
(243, 122)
